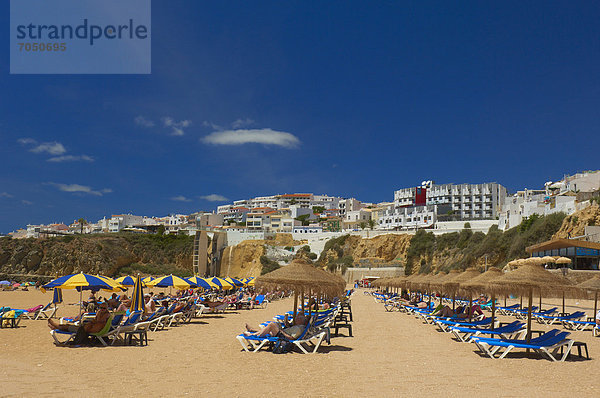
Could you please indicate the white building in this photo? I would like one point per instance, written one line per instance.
(466, 201)
(347, 205)
(119, 221)
(413, 217)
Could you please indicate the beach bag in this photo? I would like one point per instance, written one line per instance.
(81, 337)
(282, 346)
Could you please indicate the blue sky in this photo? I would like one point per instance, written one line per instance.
(345, 98)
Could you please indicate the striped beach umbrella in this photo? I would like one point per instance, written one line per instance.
(170, 281)
(57, 298)
(235, 282)
(211, 283)
(199, 282)
(137, 297)
(222, 283)
(126, 280)
(82, 282)
(148, 279)
(250, 281)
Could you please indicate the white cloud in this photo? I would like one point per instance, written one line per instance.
(26, 202)
(76, 188)
(52, 148)
(252, 136)
(5, 195)
(214, 198)
(175, 126)
(26, 141)
(71, 158)
(212, 125)
(180, 198)
(242, 123)
(143, 122)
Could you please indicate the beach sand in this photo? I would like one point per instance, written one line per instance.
(391, 354)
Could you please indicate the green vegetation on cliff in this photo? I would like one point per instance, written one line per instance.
(106, 254)
(466, 248)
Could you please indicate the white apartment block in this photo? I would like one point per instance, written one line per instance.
(397, 218)
(284, 201)
(466, 201)
(347, 205)
(119, 221)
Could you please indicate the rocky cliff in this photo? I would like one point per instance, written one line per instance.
(574, 225)
(95, 254)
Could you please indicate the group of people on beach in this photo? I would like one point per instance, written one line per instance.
(86, 324)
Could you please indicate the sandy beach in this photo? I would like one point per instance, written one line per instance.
(391, 354)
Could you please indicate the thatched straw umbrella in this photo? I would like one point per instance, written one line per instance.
(439, 284)
(455, 283)
(300, 276)
(527, 278)
(592, 284)
(563, 260)
(480, 283)
(549, 260)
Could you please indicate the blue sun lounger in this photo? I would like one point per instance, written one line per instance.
(547, 344)
(551, 320)
(446, 324)
(510, 331)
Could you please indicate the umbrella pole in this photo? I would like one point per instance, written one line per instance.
(453, 302)
(595, 305)
(540, 308)
(429, 304)
(80, 302)
(493, 311)
(505, 300)
(295, 303)
(529, 317)
(470, 307)
(521, 305)
(563, 302)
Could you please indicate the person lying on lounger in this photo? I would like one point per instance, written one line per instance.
(460, 312)
(290, 332)
(93, 326)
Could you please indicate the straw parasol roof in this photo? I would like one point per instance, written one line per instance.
(592, 284)
(563, 260)
(418, 281)
(548, 259)
(450, 275)
(533, 277)
(299, 275)
(398, 281)
(454, 284)
(534, 261)
(481, 281)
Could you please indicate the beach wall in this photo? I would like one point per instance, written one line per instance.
(353, 274)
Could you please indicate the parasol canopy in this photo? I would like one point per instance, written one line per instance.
(137, 298)
(302, 276)
(454, 283)
(200, 282)
(592, 284)
(170, 281)
(563, 260)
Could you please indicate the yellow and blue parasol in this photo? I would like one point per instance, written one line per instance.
(200, 282)
(57, 298)
(221, 283)
(137, 297)
(126, 280)
(170, 281)
(234, 281)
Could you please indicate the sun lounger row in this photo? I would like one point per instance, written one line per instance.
(499, 341)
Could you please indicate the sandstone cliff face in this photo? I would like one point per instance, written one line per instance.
(243, 260)
(386, 247)
(574, 225)
(90, 254)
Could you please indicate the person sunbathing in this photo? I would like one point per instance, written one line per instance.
(93, 326)
(275, 329)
